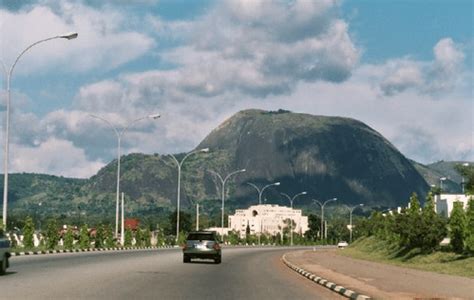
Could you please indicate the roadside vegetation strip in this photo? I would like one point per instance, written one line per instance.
(444, 262)
(39, 252)
(321, 281)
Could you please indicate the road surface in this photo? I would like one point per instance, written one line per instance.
(245, 273)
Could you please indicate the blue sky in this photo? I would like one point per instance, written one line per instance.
(403, 67)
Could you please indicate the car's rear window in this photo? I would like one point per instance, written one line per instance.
(200, 236)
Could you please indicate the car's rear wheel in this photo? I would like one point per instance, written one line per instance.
(186, 259)
(217, 260)
(3, 265)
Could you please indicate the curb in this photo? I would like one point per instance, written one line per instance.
(321, 281)
(85, 250)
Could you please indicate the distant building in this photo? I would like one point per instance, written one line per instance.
(131, 224)
(267, 219)
(444, 203)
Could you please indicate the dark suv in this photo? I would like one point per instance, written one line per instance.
(202, 244)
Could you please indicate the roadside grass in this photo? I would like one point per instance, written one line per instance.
(444, 262)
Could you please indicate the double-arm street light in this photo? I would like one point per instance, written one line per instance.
(351, 209)
(8, 74)
(260, 191)
(178, 197)
(223, 181)
(119, 133)
(291, 220)
(322, 213)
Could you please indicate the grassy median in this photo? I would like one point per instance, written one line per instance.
(440, 261)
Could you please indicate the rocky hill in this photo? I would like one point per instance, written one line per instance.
(325, 156)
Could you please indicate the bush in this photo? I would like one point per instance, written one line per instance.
(457, 227)
(84, 240)
(28, 231)
(52, 234)
(69, 239)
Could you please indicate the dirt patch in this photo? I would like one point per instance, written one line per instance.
(382, 281)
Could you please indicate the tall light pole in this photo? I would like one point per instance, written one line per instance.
(223, 181)
(178, 197)
(462, 177)
(351, 209)
(322, 212)
(8, 74)
(291, 220)
(441, 179)
(260, 191)
(119, 133)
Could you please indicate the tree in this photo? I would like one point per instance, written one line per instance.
(457, 226)
(128, 238)
(109, 237)
(139, 238)
(470, 226)
(314, 224)
(84, 240)
(52, 234)
(69, 238)
(99, 236)
(185, 223)
(28, 231)
(415, 230)
(147, 237)
(433, 225)
(467, 172)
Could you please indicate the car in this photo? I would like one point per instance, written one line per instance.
(202, 245)
(4, 253)
(342, 244)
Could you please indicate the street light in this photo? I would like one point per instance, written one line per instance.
(441, 179)
(119, 134)
(8, 74)
(178, 197)
(462, 177)
(351, 209)
(322, 213)
(223, 181)
(291, 220)
(260, 191)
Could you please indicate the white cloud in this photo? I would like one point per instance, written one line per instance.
(104, 41)
(53, 156)
(241, 54)
(432, 77)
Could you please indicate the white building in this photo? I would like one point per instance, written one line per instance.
(267, 219)
(444, 203)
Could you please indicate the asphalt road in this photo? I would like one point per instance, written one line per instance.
(245, 273)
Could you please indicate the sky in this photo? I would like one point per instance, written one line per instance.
(405, 68)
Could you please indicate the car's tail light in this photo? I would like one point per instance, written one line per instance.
(184, 247)
(216, 246)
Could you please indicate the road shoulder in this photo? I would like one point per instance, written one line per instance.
(380, 280)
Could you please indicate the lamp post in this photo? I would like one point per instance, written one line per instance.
(291, 220)
(223, 181)
(178, 197)
(351, 209)
(197, 216)
(322, 212)
(462, 177)
(441, 179)
(119, 133)
(8, 74)
(260, 191)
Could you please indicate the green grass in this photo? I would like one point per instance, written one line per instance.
(440, 262)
